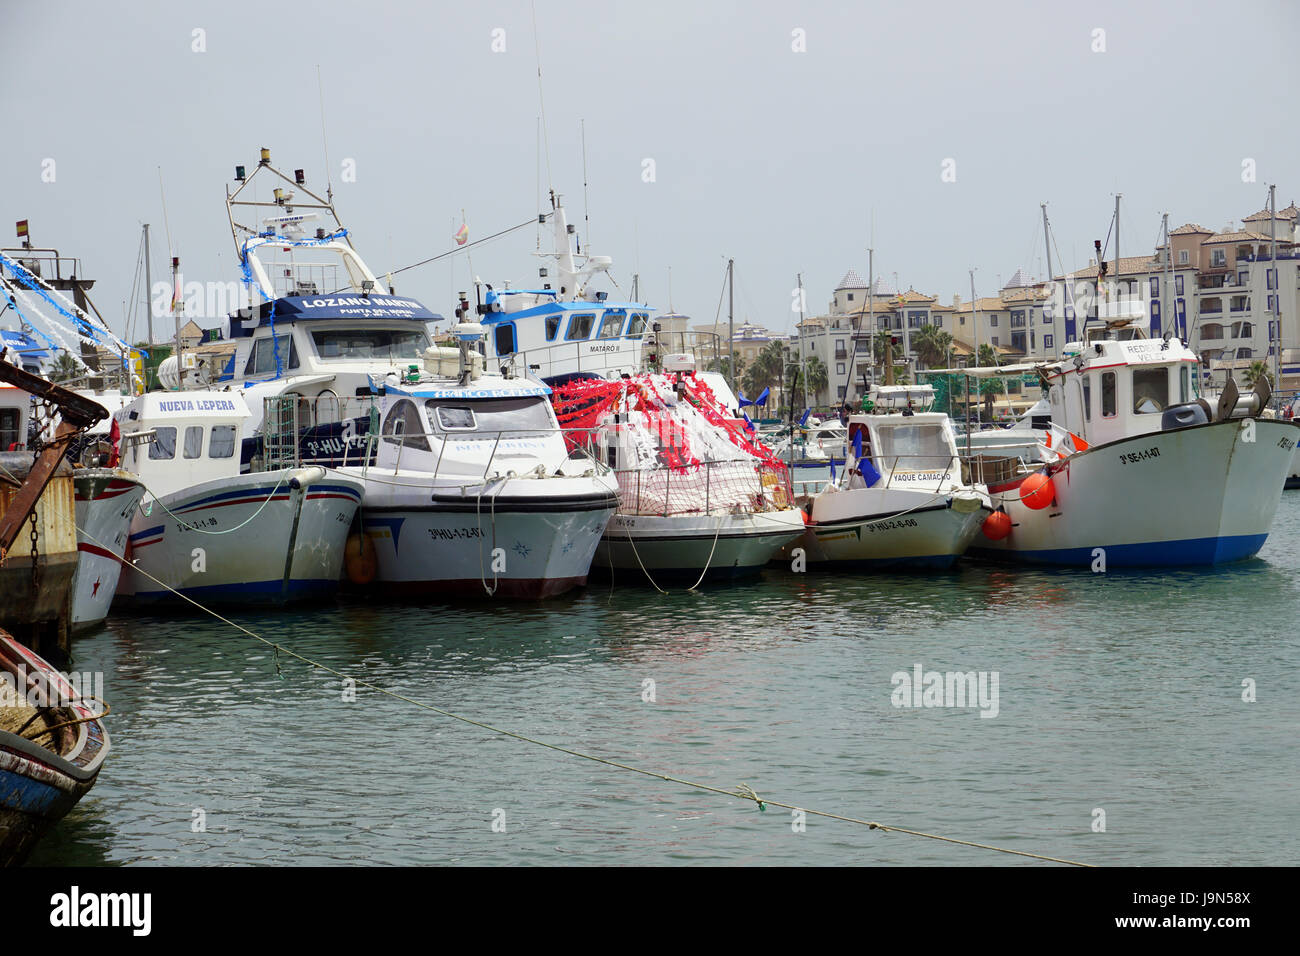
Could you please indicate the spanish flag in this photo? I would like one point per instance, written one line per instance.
(462, 234)
(22, 228)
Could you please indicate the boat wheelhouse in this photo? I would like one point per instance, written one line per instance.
(318, 324)
(567, 328)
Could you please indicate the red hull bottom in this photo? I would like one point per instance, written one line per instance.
(522, 589)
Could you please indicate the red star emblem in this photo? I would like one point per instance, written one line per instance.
(95, 590)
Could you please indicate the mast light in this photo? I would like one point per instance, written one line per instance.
(239, 174)
(266, 157)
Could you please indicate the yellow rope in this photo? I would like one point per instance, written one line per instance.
(743, 792)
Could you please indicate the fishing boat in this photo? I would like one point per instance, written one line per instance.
(52, 745)
(699, 496)
(1139, 471)
(212, 533)
(469, 486)
(902, 499)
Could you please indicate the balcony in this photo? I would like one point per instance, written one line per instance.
(841, 353)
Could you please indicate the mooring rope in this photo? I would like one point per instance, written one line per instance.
(741, 792)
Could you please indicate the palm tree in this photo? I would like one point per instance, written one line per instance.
(65, 368)
(1257, 371)
(989, 387)
(931, 344)
(723, 364)
(818, 375)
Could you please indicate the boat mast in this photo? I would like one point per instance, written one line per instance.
(803, 372)
(871, 312)
(1169, 261)
(148, 284)
(975, 327)
(731, 322)
(1115, 278)
(1051, 280)
(1276, 322)
(178, 309)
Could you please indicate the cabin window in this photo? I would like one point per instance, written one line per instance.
(912, 447)
(1150, 390)
(1109, 394)
(610, 326)
(193, 442)
(491, 416)
(402, 426)
(221, 441)
(10, 429)
(504, 338)
(261, 361)
(454, 417)
(1183, 390)
(580, 327)
(636, 326)
(1087, 397)
(552, 326)
(163, 446)
(384, 344)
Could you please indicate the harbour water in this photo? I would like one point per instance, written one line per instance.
(1120, 692)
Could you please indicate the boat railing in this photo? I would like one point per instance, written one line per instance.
(705, 348)
(703, 488)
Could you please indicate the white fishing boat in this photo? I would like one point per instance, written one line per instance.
(699, 497)
(1140, 472)
(469, 488)
(212, 533)
(901, 500)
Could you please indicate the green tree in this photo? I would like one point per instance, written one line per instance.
(818, 375)
(1257, 371)
(65, 368)
(723, 364)
(931, 344)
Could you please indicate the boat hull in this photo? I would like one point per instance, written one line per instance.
(277, 543)
(683, 546)
(37, 785)
(1201, 495)
(888, 527)
(521, 538)
(106, 502)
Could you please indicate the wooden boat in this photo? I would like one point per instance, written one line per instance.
(52, 745)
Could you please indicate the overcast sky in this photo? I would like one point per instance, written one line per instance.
(779, 158)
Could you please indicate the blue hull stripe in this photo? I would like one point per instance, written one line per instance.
(253, 592)
(1189, 551)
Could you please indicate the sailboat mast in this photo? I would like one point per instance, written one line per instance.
(148, 284)
(803, 371)
(1275, 322)
(1115, 278)
(871, 310)
(731, 322)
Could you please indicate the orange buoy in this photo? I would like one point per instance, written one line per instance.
(359, 561)
(997, 525)
(1037, 491)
